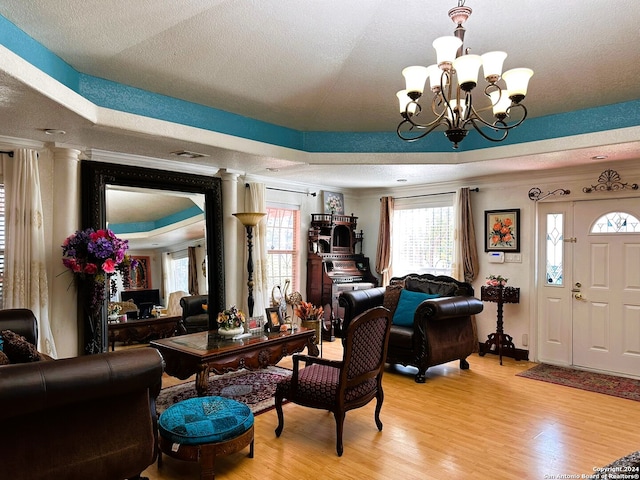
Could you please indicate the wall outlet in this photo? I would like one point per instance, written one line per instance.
(525, 339)
(513, 257)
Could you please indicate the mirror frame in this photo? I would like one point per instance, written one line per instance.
(95, 176)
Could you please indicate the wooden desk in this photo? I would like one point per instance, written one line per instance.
(207, 352)
(142, 330)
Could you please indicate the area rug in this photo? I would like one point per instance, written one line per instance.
(590, 381)
(625, 467)
(256, 388)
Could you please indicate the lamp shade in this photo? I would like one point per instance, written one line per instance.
(492, 65)
(501, 102)
(249, 219)
(436, 78)
(446, 49)
(405, 101)
(415, 78)
(467, 68)
(461, 107)
(517, 80)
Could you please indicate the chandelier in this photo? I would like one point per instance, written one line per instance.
(452, 81)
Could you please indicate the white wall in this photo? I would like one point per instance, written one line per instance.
(502, 192)
(508, 191)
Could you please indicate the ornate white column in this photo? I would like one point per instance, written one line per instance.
(66, 220)
(233, 256)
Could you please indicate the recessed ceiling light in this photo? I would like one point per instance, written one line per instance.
(188, 154)
(53, 131)
(599, 157)
(401, 180)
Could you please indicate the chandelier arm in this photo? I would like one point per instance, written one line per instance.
(505, 131)
(433, 124)
(427, 130)
(495, 125)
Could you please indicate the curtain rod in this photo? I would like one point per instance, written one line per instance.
(434, 194)
(313, 194)
(9, 152)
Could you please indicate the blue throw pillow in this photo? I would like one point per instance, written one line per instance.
(407, 306)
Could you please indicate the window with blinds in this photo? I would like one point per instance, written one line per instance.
(422, 240)
(282, 247)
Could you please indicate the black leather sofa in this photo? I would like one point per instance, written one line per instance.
(194, 317)
(441, 329)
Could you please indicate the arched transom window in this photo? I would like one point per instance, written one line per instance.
(616, 222)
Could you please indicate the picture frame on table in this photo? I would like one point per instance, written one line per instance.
(256, 324)
(274, 319)
(502, 230)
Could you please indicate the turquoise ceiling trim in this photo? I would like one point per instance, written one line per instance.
(37, 55)
(140, 227)
(120, 97)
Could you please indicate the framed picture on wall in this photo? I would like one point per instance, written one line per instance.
(140, 276)
(502, 230)
(333, 202)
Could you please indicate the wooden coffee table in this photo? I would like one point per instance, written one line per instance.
(203, 353)
(142, 330)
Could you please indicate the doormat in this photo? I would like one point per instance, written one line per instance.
(593, 382)
(255, 388)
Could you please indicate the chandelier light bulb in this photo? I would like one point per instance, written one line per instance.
(436, 77)
(517, 80)
(492, 65)
(457, 111)
(405, 102)
(415, 78)
(467, 68)
(501, 103)
(446, 50)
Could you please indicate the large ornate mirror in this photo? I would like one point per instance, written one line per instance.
(99, 178)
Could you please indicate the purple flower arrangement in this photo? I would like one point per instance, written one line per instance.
(96, 255)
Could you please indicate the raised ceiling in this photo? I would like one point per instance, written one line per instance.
(330, 65)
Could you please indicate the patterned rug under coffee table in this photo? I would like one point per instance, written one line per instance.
(593, 382)
(255, 388)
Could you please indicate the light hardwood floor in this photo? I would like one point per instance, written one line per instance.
(482, 423)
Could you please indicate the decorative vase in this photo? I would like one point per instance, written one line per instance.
(313, 324)
(230, 332)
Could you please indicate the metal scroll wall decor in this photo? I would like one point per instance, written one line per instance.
(535, 193)
(609, 181)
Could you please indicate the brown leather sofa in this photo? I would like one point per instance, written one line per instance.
(21, 321)
(441, 329)
(78, 418)
(194, 317)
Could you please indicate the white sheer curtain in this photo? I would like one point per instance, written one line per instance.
(255, 201)
(25, 270)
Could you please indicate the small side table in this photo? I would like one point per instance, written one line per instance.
(500, 295)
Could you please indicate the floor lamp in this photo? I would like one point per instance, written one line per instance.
(250, 220)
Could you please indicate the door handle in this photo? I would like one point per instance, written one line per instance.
(578, 296)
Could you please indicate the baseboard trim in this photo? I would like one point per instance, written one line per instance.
(515, 353)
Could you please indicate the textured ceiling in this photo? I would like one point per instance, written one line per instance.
(330, 65)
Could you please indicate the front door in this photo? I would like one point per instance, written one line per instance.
(589, 285)
(606, 285)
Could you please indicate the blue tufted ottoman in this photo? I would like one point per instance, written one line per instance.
(199, 429)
